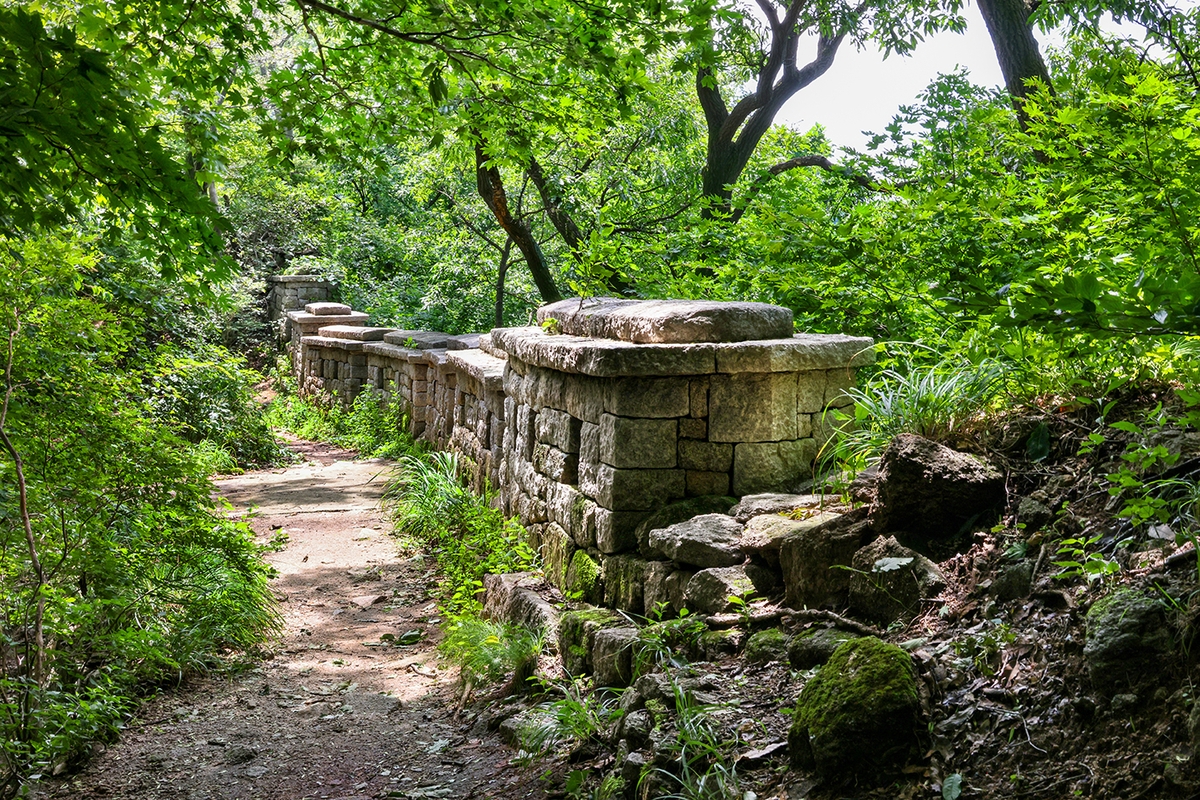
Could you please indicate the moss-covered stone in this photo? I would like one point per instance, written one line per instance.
(1128, 641)
(557, 548)
(813, 647)
(764, 646)
(624, 582)
(577, 634)
(714, 644)
(583, 578)
(857, 716)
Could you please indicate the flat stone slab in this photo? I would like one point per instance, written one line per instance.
(297, 279)
(328, 309)
(395, 352)
(418, 340)
(488, 370)
(349, 345)
(668, 321)
(709, 540)
(355, 332)
(608, 358)
(307, 320)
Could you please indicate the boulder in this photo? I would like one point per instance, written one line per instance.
(709, 590)
(857, 717)
(931, 492)
(664, 587)
(755, 505)
(1128, 642)
(766, 646)
(888, 581)
(577, 633)
(612, 656)
(679, 512)
(764, 535)
(583, 578)
(813, 647)
(813, 560)
(709, 540)
(1013, 582)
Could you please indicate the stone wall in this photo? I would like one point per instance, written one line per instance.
(291, 293)
(605, 413)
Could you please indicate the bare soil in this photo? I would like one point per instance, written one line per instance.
(339, 708)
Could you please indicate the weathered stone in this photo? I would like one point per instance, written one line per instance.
(679, 512)
(558, 429)
(584, 397)
(570, 508)
(692, 428)
(857, 717)
(771, 466)
(705, 456)
(589, 459)
(1013, 582)
(810, 392)
(837, 384)
(814, 558)
(701, 484)
(1128, 642)
(765, 646)
(765, 535)
(612, 656)
(637, 489)
(353, 332)
(755, 505)
(603, 358)
(800, 353)
(624, 578)
(577, 633)
(752, 408)
(498, 591)
(668, 321)
(557, 549)
(930, 492)
(720, 643)
(813, 647)
(637, 443)
(530, 610)
(709, 540)
(616, 531)
(647, 398)
(418, 340)
(327, 309)
(657, 598)
(698, 390)
(888, 581)
(709, 590)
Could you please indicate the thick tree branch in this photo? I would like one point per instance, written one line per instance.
(491, 189)
(798, 162)
(559, 217)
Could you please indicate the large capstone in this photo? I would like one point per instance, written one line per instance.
(710, 540)
(668, 321)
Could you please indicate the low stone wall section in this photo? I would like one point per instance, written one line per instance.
(605, 413)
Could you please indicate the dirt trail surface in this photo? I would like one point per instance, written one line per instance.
(339, 711)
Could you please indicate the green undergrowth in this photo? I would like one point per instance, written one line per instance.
(374, 428)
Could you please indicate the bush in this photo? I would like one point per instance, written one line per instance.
(375, 428)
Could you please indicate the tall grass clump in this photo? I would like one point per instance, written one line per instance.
(931, 400)
(373, 427)
(466, 534)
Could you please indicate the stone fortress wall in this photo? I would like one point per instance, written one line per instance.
(606, 412)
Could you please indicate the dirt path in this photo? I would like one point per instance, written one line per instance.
(339, 711)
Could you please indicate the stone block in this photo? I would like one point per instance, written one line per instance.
(612, 656)
(705, 456)
(638, 489)
(577, 633)
(771, 466)
(571, 509)
(647, 398)
(709, 590)
(814, 559)
(555, 464)
(664, 589)
(557, 549)
(584, 398)
(837, 382)
(559, 429)
(699, 484)
(584, 578)
(327, 309)
(616, 531)
(698, 397)
(800, 353)
(810, 392)
(623, 578)
(637, 443)
(692, 428)
(752, 408)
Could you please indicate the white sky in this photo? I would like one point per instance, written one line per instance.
(862, 91)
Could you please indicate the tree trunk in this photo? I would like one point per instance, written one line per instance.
(491, 189)
(501, 272)
(1016, 49)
